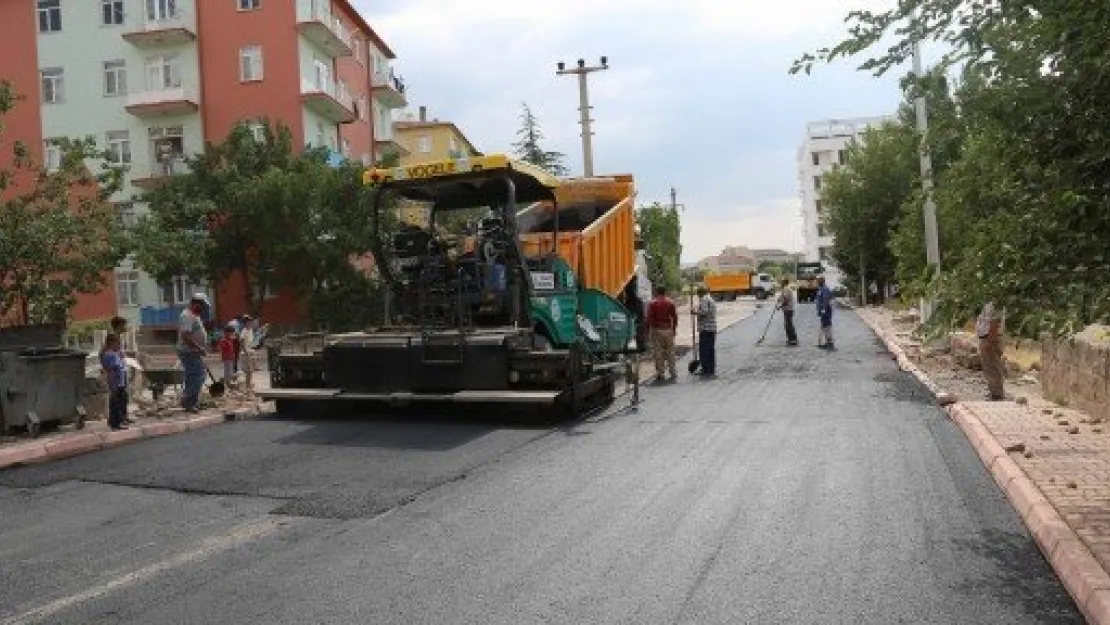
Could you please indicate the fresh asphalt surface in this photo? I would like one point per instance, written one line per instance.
(798, 487)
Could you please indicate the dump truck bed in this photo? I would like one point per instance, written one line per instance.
(597, 229)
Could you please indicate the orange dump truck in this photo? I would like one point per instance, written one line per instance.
(595, 224)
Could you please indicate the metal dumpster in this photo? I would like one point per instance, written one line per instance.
(41, 385)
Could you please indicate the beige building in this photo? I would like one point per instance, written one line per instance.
(732, 258)
(431, 140)
(776, 256)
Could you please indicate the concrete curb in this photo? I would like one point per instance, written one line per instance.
(1085, 579)
(86, 442)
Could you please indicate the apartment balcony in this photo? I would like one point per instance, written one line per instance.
(163, 102)
(167, 30)
(323, 30)
(388, 145)
(160, 172)
(388, 89)
(329, 99)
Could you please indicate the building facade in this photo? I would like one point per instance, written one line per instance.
(421, 139)
(824, 149)
(154, 80)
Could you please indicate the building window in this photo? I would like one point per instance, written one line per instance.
(453, 145)
(112, 11)
(127, 214)
(823, 254)
(356, 48)
(115, 78)
(250, 63)
(127, 288)
(119, 147)
(167, 144)
(817, 207)
(821, 229)
(320, 140)
(367, 161)
(817, 183)
(424, 144)
(179, 290)
(160, 10)
(163, 72)
(50, 16)
(249, 5)
(346, 148)
(842, 157)
(52, 155)
(258, 131)
(52, 85)
(816, 158)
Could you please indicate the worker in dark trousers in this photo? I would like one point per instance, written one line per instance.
(706, 313)
(786, 305)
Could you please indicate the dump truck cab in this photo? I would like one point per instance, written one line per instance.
(807, 274)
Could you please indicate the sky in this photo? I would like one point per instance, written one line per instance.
(697, 97)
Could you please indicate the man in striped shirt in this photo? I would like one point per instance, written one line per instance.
(706, 313)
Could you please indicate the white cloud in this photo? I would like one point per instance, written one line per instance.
(775, 223)
(697, 96)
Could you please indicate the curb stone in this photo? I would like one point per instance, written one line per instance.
(1084, 578)
(33, 452)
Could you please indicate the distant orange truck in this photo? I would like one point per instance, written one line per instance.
(728, 285)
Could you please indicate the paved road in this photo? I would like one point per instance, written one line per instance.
(799, 487)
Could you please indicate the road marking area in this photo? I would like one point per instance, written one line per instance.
(203, 550)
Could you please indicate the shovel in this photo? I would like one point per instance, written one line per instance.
(694, 364)
(218, 387)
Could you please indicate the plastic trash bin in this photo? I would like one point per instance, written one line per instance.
(41, 385)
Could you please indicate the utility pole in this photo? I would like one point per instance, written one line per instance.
(932, 237)
(582, 71)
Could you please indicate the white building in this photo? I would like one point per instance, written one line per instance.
(824, 149)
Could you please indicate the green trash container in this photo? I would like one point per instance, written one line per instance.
(41, 386)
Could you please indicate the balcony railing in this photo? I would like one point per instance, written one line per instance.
(161, 171)
(320, 27)
(180, 27)
(163, 101)
(330, 99)
(389, 88)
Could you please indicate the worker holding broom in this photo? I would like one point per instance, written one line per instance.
(786, 305)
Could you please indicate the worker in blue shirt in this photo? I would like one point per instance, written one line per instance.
(824, 313)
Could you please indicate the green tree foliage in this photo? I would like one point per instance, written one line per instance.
(528, 146)
(862, 201)
(1024, 208)
(661, 232)
(59, 233)
(281, 219)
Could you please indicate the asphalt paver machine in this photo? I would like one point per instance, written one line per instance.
(471, 319)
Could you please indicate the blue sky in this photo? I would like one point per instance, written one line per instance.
(697, 95)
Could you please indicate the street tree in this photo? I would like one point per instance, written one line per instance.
(60, 235)
(529, 148)
(256, 208)
(1026, 200)
(661, 231)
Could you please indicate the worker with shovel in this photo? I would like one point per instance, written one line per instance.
(706, 314)
(786, 305)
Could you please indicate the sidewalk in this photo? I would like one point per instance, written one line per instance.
(1052, 462)
(150, 420)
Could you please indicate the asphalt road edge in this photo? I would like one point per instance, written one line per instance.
(1085, 579)
(34, 452)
